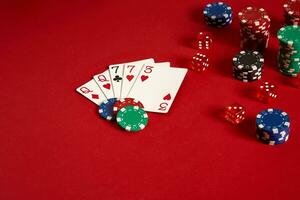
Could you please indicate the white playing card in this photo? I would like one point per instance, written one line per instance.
(116, 77)
(156, 87)
(91, 91)
(131, 72)
(104, 83)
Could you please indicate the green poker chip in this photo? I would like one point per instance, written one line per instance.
(132, 118)
(289, 52)
(289, 35)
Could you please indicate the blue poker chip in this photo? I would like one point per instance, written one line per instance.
(273, 126)
(273, 121)
(217, 10)
(272, 139)
(106, 109)
(217, 14)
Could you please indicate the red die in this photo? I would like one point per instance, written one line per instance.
(200, 62)
(203, 40)
(235, 113)
(267, 92)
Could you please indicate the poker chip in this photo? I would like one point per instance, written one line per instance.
(247, 66)
(217, 14)
(132, 118)
(288, 58)
(106, 109)
(254, 29)
(273, 126)
(119, 104)
(292, 12)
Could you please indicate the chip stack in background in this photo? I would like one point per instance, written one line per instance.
(248, 66)
(289, 51)
(254, 29)
(272, 126)
(217, 14)
(292, 12)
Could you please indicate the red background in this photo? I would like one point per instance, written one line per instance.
(53, 145)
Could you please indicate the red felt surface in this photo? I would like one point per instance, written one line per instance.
(54, 146)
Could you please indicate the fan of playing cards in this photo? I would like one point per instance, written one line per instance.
(125, 91)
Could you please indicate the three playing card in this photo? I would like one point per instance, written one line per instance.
(154, 84)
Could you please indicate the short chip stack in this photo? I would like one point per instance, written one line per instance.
(248, 66)
(289, 52)
(292, 12)
(272, 126)
(128, 112)
(217, 14)
(254, 29)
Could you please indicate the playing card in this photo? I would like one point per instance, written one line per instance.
(131, 72)
(116, 77)
(91, 91)
(156, 87)
(104, 82)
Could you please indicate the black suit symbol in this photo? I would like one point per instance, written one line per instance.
(117, 78)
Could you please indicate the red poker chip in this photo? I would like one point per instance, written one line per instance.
(254, 28)
(253, 16)
(126, 102)
(292, 8)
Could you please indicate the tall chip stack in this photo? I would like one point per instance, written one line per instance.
(254, 29)
(292, 12)
(289, 51)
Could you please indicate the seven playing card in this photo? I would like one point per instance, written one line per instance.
(116, 77)
(91, 91)
(156, 87)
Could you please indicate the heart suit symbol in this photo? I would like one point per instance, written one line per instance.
(129, 77)
(143, 77)
(107, 86)
(167, 97)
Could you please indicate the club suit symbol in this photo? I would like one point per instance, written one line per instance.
(117, 78)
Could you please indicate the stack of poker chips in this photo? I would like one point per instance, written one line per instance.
(272, 126)
(247, 66)
(292, 12)
(289, 52)
(217, 14)
(254, 29)
(128, 113)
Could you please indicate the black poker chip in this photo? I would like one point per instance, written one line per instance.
(247, 66)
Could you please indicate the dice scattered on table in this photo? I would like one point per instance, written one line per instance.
(204, 40)
(200, 62)
(235, 113)
(267, 92)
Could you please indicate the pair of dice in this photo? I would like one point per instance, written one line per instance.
(267, 92)
(200, 61)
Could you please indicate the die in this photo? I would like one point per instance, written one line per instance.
(235, 113)
(267, 92)
(204, 40)
(200, 62)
